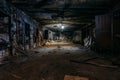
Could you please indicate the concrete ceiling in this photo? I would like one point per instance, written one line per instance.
(68, 11)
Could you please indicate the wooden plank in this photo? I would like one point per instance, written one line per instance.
(69, 77)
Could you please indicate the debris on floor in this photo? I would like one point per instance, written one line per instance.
(64, 63)
(101, 63)
(69, 77)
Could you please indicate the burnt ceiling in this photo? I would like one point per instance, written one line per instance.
(71, 12)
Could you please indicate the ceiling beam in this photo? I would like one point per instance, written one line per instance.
(63, 22)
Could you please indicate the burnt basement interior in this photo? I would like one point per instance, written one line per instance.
(59, 39)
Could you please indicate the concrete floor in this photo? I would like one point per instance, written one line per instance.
(53, 63)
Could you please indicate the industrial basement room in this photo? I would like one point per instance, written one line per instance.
(59, 39)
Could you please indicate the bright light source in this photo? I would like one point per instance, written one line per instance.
(62, 27)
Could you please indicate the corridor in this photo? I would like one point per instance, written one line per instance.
(59, 39)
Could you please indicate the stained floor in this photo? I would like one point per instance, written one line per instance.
(53, 63)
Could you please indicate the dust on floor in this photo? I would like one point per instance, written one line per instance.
(53, 63)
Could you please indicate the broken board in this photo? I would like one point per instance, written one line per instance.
(69, 77)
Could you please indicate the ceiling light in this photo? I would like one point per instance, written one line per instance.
(62, 27)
